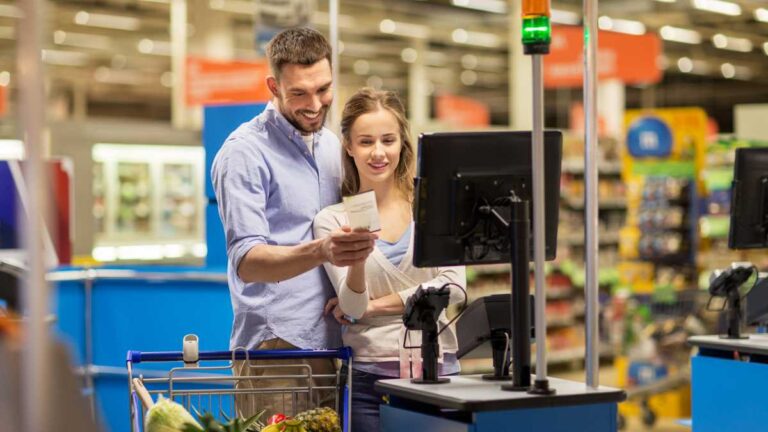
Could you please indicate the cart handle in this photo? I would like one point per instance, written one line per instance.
(343, 353)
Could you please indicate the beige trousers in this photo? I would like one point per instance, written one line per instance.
(281, 385)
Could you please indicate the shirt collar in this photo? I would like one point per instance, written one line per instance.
(284, 125)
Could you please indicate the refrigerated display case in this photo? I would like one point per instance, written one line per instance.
(148, 202)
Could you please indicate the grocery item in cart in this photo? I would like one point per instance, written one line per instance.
(167, 416)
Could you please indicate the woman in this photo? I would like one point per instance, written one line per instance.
(378, 155)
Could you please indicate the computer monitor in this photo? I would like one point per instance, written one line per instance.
(757, 303)
(484, 330)
(749, 205)
(459, 171)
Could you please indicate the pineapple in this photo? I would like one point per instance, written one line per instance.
(320, 420)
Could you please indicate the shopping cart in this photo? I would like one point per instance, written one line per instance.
(213, 389)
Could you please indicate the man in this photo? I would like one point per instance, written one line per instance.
(271, 177)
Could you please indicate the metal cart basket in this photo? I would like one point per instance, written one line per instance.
(218, 383)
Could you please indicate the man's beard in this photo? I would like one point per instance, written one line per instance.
(294, 120)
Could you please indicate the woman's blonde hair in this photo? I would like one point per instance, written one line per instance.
(368, 100)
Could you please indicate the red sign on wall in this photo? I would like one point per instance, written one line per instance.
(631, 59)
(212, 82)
(462, 111)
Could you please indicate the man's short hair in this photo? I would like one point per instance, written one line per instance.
(302, 46)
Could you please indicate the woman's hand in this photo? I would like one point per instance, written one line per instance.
(333, 307)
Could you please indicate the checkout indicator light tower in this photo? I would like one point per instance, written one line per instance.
(536, 37)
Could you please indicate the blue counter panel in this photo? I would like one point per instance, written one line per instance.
(576, 418)
(728, 395)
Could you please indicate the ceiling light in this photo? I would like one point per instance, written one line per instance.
(404, 29)
(459, 35)
(59, 36)
(64, 58)
(117, 22)
(761, 14)
(728, 70)
(409, 55)
(145, 46)
(685, 65)
(718, 6)
(469, 61)
(468, 77)
(82, 40)
(494, 6)
(361, 67)
(677, 34)
(149, 46)
(375, 82)
(605, 23)
(487, 40)
(5, 78)
(732, 43)
(564, 17)
(628, 26)
(10, 11)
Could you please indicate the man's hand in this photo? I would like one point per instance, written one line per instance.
(333, 307)
(345, 247)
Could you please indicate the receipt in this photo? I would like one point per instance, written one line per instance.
(362, 211)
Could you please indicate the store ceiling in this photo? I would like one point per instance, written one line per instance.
(125, 72)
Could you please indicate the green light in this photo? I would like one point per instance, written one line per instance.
(536, 30)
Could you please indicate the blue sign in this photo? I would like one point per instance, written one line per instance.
(649, 137)
(9, 225)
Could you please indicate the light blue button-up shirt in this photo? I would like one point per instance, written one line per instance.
(269, 189)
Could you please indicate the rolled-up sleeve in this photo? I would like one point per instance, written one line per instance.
(241, 182)
(456, 275)
(352, 303)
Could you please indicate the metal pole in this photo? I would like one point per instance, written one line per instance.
(539, 217)
(590, 197)
(35, 373)
(333, 25)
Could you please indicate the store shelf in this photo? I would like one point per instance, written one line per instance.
(607, 238)
(576, 166)
(604, 204)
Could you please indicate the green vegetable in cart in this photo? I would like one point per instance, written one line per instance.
(167, 416)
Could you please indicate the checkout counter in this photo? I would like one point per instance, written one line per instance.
(468, 403)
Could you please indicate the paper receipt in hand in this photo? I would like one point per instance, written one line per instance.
(362, 211)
